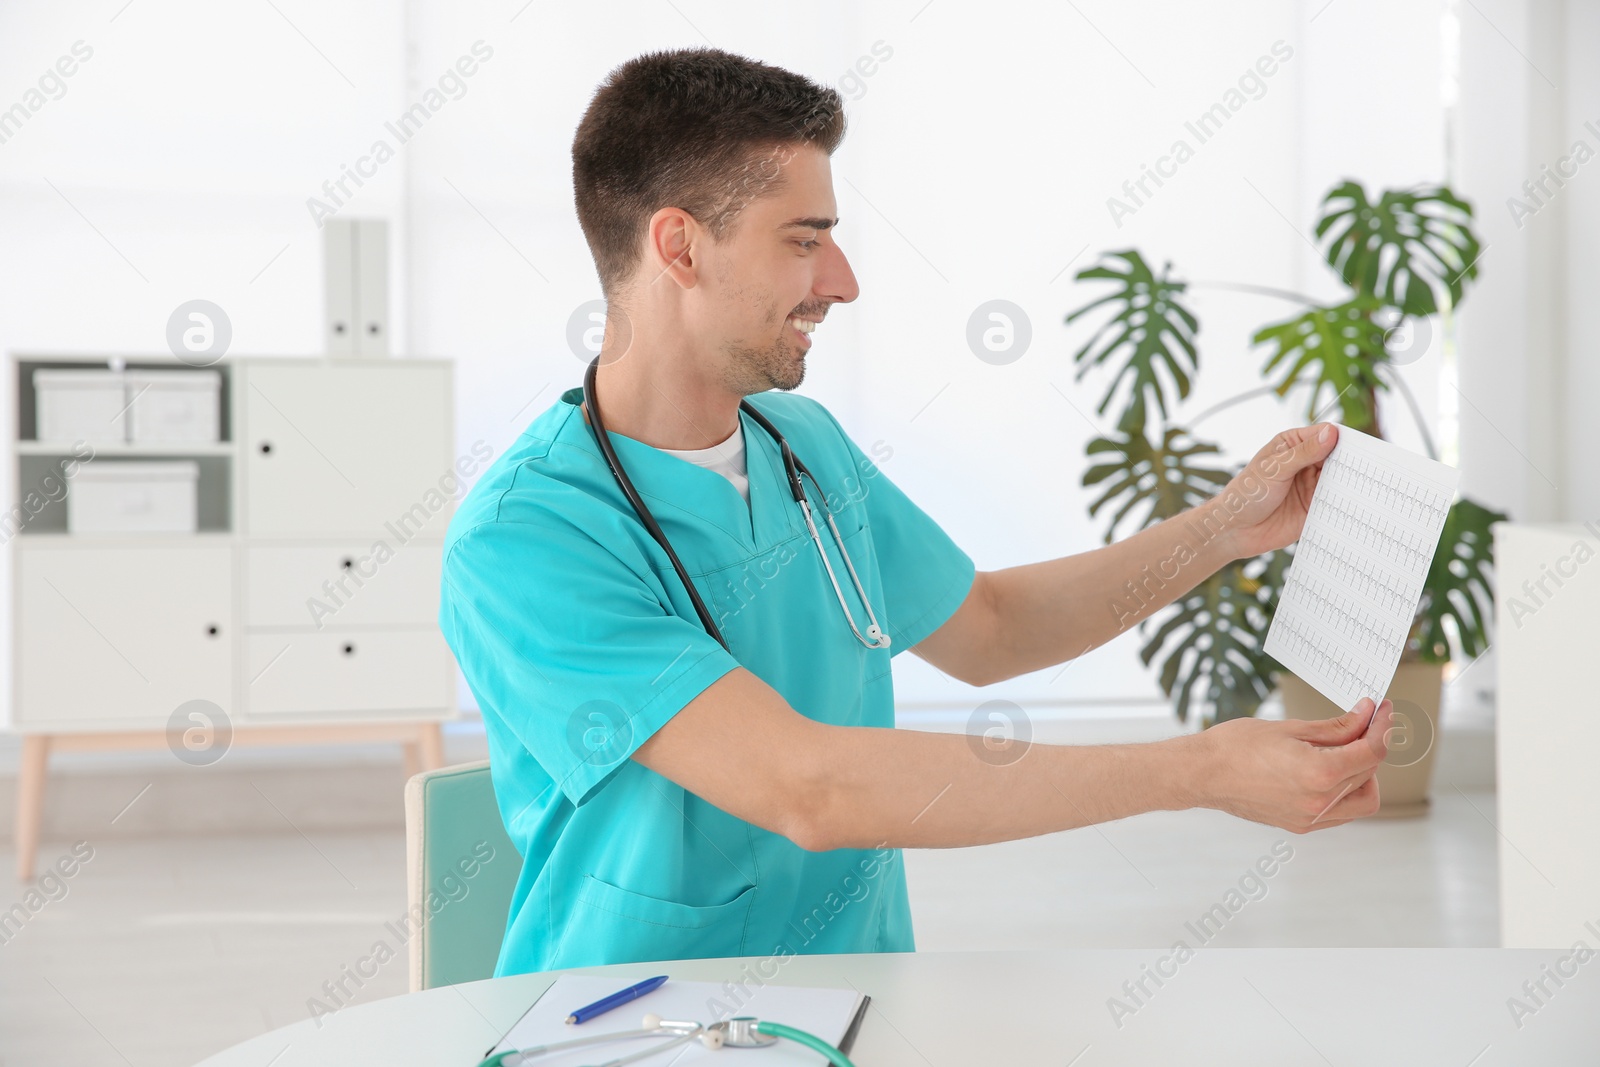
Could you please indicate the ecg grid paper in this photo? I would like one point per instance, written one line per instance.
(1352, 590)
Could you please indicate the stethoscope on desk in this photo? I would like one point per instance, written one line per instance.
(740, 1032)
(796, 470)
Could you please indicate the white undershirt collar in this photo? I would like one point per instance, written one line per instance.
(726, 458)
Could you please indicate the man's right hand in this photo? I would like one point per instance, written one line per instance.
(1297, 775)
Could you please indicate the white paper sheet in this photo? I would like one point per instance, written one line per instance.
(827, 1013)
(1352, 591)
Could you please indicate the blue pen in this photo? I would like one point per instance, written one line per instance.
(615, 1000)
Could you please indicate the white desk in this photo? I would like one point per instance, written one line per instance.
(1547, 733)
(1233, 1007)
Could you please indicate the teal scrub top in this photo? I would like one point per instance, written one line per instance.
(579, 642)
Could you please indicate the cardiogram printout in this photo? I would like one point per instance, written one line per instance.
(1352, 590)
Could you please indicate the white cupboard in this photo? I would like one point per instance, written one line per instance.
(121, 634)
(303, 607)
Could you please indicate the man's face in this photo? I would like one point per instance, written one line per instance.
(774, 274)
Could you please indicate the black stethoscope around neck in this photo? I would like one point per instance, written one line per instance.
(874, 637)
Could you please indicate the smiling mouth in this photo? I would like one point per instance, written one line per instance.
(802, 329)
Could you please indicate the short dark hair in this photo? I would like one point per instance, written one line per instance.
(694, 129)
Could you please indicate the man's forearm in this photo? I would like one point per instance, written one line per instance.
(908, 789)
(1049, 612)
(741, 747)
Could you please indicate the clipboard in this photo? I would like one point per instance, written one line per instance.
(832, 1014)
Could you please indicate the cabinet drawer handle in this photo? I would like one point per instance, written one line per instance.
(213, 630)
(266, 448)
(347, 563)
(350, 649)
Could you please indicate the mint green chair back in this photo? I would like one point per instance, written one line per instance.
(461, 870)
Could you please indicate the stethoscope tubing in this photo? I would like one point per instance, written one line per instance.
(794, 469)
(649, 520)
(673, 1035)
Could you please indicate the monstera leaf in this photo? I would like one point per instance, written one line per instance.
(1458, 588)
(1335, 348)
(1161, 476)
(1151, 335)
(1219, 627)
(1404, 247)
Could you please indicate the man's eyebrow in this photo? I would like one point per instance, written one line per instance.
(809, 224)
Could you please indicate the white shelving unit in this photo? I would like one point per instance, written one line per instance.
(304, 606)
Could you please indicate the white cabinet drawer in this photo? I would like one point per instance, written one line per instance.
(361, 671)
(341, 585)
(336, 448)
(122, 636)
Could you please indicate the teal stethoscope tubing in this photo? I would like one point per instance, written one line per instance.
(680, 1036)
(793, 468)
(811, 1041)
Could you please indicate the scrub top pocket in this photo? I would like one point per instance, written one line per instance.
(628, 927)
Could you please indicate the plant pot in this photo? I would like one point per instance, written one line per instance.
(1404, 776)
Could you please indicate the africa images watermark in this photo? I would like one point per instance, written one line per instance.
(758, 176)
(851, 890)
(1251, 888)
(1537, 992)
(52, 85)
(50, 887)
(853, 82)
(405, 527)
(1565, 170)
(451, 85)
(1537, 593)
(736, 589)
(1252, 85)
(52, 488)
(1248, 486)
(450, 889)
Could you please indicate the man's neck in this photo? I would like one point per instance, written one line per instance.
(661, 401)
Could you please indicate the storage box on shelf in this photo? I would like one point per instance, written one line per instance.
(274, 605)
(157, 496)
(79, 404)
(141, 406)
(174, 406)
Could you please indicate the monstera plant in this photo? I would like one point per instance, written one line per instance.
(1405, 258)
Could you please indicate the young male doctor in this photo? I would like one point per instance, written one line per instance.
(674, 797)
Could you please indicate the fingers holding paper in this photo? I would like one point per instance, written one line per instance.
(1361, 754)
(1299, 776)
(1350, 804)
(1264, 507)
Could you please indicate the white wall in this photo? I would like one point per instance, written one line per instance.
(1581, 263)
(978, 165)
(177, 165)
(1528, 362)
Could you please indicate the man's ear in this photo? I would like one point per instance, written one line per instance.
(672, 239)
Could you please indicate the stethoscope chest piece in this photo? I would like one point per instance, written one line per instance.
(740, 1032)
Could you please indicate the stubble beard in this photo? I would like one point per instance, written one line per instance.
(779, 365)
